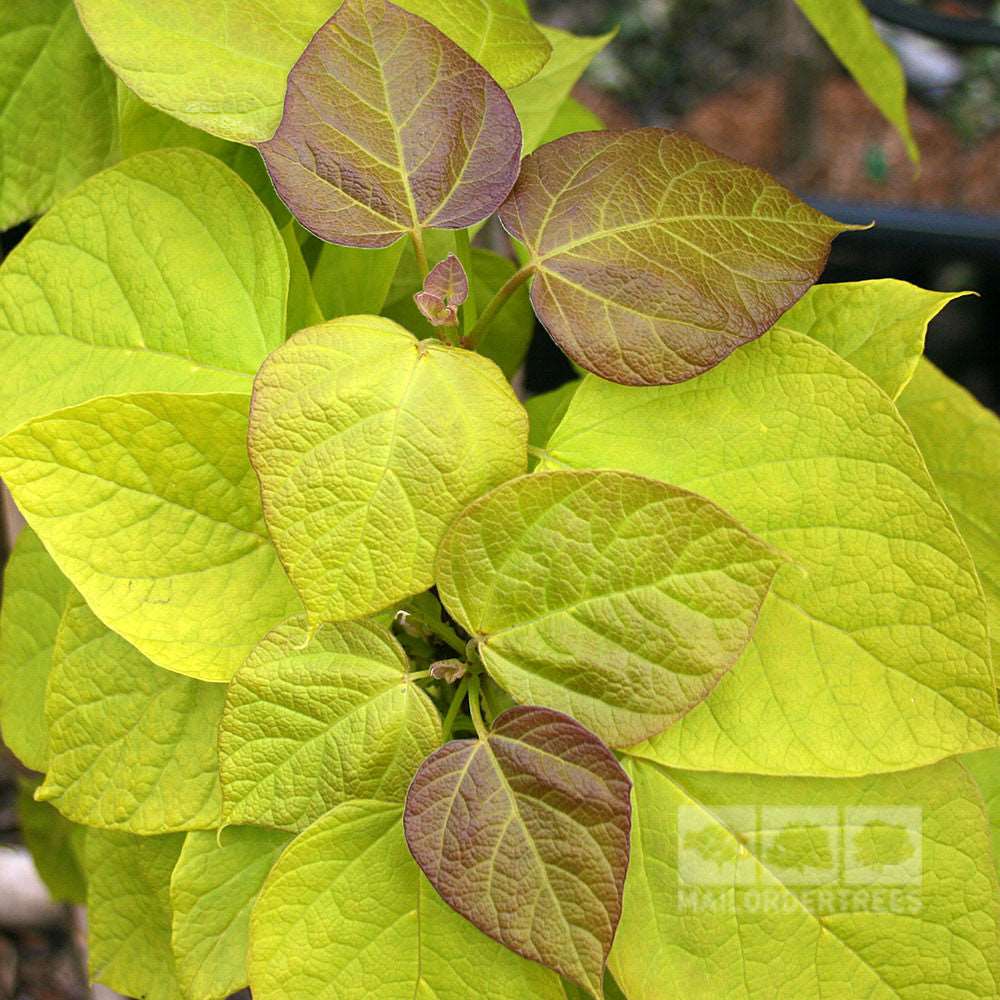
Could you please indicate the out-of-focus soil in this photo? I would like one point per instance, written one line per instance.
(852, 152)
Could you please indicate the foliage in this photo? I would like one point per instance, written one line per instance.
(331, 695)
(848, 30)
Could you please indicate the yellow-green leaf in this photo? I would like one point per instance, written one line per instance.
(353, 281)
(510, 46)
(128, 913)
(149, 505)
(56, 846)
(132, 746)
(960, 442)
(315, 720)
(162, 274)
(847, 28)
(540, 100)
(871, 652)
(303, 309)
(879, 326)
(141, 128)
(35, 594)
(347, 915)
(984, 767)
(223, 67)
(57, 107)
(571, 117)
(214, 886)
(618, 600)
(368, 443)
(754, 888)
(546, 412)
(653, 256)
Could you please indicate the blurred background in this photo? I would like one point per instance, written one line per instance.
(752, 79)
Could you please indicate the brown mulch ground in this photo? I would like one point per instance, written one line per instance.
(852, 152)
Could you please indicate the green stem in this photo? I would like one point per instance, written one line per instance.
(474, 707)
(421, 253)
(418, 675)
(439, 628)
(463, 250)
(479, 329)
(456, 703)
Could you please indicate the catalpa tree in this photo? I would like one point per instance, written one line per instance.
(340, 671)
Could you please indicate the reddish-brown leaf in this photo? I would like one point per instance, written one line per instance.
(445, 289)
(526, 834)
(656, 257)
(390, 127)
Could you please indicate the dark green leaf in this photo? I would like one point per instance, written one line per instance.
(55, 844)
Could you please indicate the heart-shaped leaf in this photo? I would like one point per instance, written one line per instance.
(162, 274)
(617, 599)
(525, 833)
(368, 443)
(311, 721)
(654, 256)
(389, 127)
(445, 289)
(148, 504)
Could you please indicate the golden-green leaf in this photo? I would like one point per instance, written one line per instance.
(616, 599)
(848, 29)
(368, 443)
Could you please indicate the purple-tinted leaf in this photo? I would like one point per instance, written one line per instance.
(526, 834)
(390, 127)
(445, 289)
(656, 257)
(450, 671)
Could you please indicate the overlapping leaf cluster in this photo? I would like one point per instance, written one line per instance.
(328, 692)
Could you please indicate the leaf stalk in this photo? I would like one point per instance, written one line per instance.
(421, 253)
(456, 703)
(474, 337)
(475, 709)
